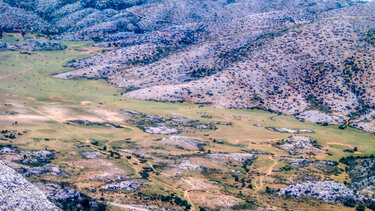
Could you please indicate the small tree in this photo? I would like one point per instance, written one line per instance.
(268, 190)
(371, 206)
(360, 207)
(350, 202)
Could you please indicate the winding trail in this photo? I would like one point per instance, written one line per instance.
(186, 194)
(269, 172)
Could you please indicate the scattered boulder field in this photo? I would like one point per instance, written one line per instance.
(299, 145)
(289, 130)
(327, 191)
(130, 185)
(184, 142)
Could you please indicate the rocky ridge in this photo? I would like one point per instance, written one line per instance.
(16, 193)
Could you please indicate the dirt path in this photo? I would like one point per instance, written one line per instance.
(186, 194)
(137, 168)
(339, 144)
(268, 173)
(4, 76)
(259, 187)
(131, 162)
(46, 115)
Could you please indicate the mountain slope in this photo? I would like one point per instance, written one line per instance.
(287, 56)
(309, 62)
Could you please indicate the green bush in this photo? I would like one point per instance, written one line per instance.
(360, 207)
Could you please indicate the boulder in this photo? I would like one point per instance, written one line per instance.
(131, 185)
(92, 155)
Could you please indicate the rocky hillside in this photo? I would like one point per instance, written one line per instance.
(16, 193)
(294, 57)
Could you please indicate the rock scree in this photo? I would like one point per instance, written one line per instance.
(16, 193)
